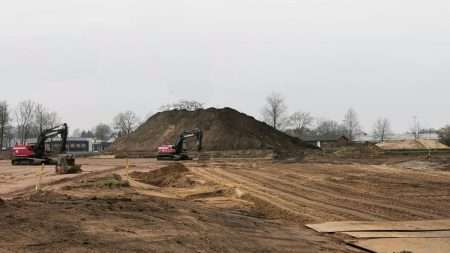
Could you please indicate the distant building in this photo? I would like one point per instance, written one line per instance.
(76, 145)
(398, 137)
(328, 142)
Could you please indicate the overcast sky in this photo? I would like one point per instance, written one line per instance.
(90, 59)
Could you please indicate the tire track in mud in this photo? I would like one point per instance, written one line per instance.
(268, 198)
(371, 208)
(62, 181)
(330, 210)
(311, 210)
(409, 207)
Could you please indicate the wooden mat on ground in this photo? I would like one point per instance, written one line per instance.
(394, 234)
(416, 245)
(354, 226)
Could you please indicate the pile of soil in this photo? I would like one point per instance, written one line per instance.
(112, 182)
(173, 175)
(223, 129)
(432, 144)
(412, 144)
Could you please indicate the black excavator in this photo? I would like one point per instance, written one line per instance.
(177, 151)
(37, 154)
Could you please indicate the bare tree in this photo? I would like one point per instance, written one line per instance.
(189, 105)
(416, 128)
(275, 110)
(24, 117)
(299, 121)
(87, 134)
(76, 133)
(351, 124)
(328, 129)
(53, 119)
(44, 119)
(382, 129)
(10, 135)
(40, 117)
(103, 132)
(444, 135)
(4, 123)
(125, 123)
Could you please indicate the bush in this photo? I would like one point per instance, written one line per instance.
(444, 135)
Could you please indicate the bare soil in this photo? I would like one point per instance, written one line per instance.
(173, 175)
(243, 205)
(412, 144)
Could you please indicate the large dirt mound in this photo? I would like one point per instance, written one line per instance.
(224, 129)
(173, 175)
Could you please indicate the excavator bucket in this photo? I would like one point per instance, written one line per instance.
(66, 165)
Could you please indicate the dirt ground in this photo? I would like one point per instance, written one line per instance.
(214, 206)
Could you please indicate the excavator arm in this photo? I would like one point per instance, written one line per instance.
(187, 134)
(62, 130)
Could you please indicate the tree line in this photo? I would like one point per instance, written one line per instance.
(123, 124)
(126, 122)
(28, 119)
(303, 125)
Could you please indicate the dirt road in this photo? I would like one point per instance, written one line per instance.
(329, 192)
(19, 180)
(213, 206)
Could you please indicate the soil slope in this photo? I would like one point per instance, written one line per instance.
(224, 129)
(412, 144)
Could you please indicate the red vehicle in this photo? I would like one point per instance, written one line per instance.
(36, 154)
(177, 151)
(22, 153)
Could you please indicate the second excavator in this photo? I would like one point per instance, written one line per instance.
(177, 151)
